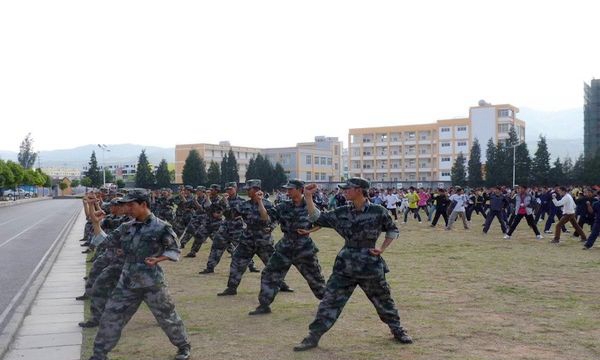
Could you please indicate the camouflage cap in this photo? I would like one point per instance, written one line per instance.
(116, 201)
(136, 195)
(355, 182)
(230, 185)
(189, 187)
(253, 183)
(294, 184)
(216, 187)
(200, 188)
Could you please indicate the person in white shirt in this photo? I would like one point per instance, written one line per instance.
(459, 199)
(568, 210)
(391, 203)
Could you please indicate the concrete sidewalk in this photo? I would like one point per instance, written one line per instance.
(50, 330)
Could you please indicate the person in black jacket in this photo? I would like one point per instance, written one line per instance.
(441, 202)
(497, 204)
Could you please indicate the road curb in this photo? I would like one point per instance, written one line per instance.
(16, 320)
(9, 203)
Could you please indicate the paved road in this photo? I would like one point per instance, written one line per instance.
(27, 232)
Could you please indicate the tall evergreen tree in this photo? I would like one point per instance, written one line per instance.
(279, 175)
(578, 172)
(540, 166)
(213, 175)
(491, 164)
(522, 165)
(108, 176)
(251, 170)
(459, 171)
(194, 170)
(475, 176)
(557, 174)
(163, 178)
(27, 156)
(233, 168)
(93, 172)
(144, 176)
(567, 167)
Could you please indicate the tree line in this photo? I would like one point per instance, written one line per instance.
(13, 174)
(536, 170)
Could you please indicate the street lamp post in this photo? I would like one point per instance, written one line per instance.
(514, 162)
(104, 149)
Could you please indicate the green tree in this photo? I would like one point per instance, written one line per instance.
(229, 168)
(251, 170)
(522, 165)
(63, 186)
(18, 174)
(108, 176)
(279, 176)
(26, 155)
(144, 178)
(213, 175)
(557, 174)
(458, 174)
(87, 182)
(491, 164)
(75, 183)
(163, 178)
(7, 178)
(120, 183)
(194, 170)
(567, 167)
(578, 172)
(475, 176)
(540, 166)
(93, 172)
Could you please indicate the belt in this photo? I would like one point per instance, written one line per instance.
(360, 244)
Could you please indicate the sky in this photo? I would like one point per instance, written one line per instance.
(274, 73)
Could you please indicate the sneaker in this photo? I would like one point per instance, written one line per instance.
(403, 338)
(585, 248)
(420, 222)
(190, 255)
(307, 343)
(286, 288)
(547, 231)
(207, 271)
(261, 310)
(539, 237)
(183, 353)
(506, 236)
(82, 297)
(88, 324)
(554, 241)
(228, 292)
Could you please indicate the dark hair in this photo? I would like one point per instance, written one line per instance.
(562, 188)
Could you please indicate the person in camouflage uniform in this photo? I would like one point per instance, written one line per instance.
(164, 206)
(187, 208)
(295, 248)
(196, 226)
(145, 242)
(107, 267)
(209, 222)
(359, 263)
(256, 238)
(230, 231)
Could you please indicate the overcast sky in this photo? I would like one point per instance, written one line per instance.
(171, 72)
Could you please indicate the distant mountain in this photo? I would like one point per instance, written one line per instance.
(563, 124)
(80, 156)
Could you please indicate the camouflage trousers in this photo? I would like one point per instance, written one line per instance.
(88, 231)
(300, 252)
(226, 239)
(338, 291)
(121, 306)
(103, 287)
(242, 257)
(99, 264)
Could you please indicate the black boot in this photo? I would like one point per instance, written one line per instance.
(228, 292)
(207, 271)
(253, 268)
(89, 324)
(402, 337)
(309, 342)
(82, 297)
(183, 353)
(285, 288)
(260, 310)
(191, 255)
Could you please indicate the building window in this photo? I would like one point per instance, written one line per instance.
(445, 159)
(503, 128)
(323, 176)
(445, 174)
(505, 113)
(445, 144)
(461, 128)
(308, 175)
(445, 129)
(462, 143)
(323, 160)
(329, 161)
(308, 159)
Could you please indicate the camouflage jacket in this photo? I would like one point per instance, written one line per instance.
(360, 228)
(141, 239)
(291, 217)
(232, 211)
(256, 229)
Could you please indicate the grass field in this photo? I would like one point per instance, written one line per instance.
(461, 295)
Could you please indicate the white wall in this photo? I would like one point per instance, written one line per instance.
(483, 126)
